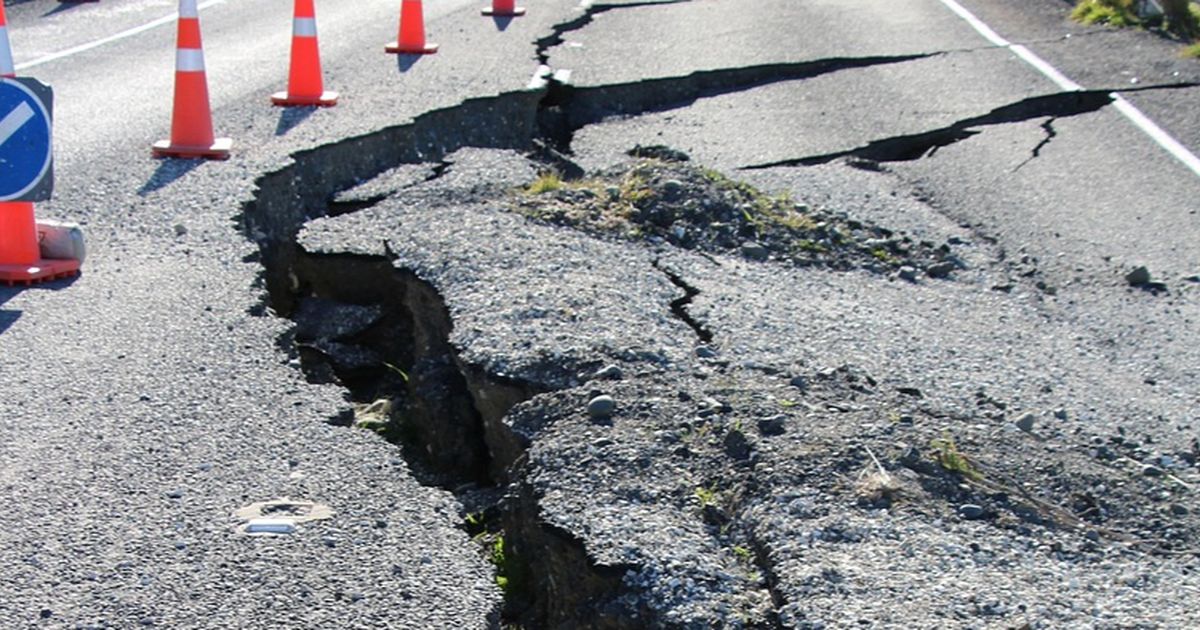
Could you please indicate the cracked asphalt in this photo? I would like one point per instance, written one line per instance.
(147, 401)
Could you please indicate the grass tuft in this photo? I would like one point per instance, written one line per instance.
(947, 455)
(546, 182)
(1110, 12)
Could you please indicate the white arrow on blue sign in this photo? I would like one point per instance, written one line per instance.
(26, 157)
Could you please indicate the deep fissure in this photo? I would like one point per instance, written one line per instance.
(448, 416)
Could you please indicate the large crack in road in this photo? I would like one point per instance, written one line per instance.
(469, 427)
(447, 414)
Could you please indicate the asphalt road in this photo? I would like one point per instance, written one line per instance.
(143, 403)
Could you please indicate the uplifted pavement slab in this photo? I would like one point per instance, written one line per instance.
(804, 465)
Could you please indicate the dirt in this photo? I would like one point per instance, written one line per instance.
(661, 197)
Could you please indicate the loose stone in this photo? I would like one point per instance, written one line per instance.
(754, 251)
(1138, 277)
(1025, 422)
(601, 407)
(939, 270)
(611, 372)
(970, 511)
(772, 426)
(737, 446)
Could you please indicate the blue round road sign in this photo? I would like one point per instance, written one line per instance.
(24, 140)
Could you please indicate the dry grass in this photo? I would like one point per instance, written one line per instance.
(875, 484)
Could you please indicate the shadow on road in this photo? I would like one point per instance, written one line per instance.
(168, 171)
(63, 6)
(292, 116)
(8, 317)
(406, 62)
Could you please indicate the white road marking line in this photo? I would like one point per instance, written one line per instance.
(15, 119)
(1133, 114)
(75, 50)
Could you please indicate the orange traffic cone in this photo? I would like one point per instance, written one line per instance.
(7, 69)
(191, 120)
(505, 8)
(305, 86)
(412, 31)
(20, 256)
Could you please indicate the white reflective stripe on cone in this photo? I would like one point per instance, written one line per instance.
(304, 27)
(6, 60)
(189, 60)
(187, 9)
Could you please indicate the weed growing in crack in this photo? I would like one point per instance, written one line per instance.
(403, 375)
(375, 416)
(947, 455)
(498, 558)
(510, 574)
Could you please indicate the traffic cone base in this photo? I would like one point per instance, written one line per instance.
(218, 150)
(411, 38)
(283, 99)
(40, 271)
(515, 12)
(396, 48)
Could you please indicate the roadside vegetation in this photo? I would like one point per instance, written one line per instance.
(1180, 18)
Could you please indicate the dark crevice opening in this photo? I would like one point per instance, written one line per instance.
(679, 306)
